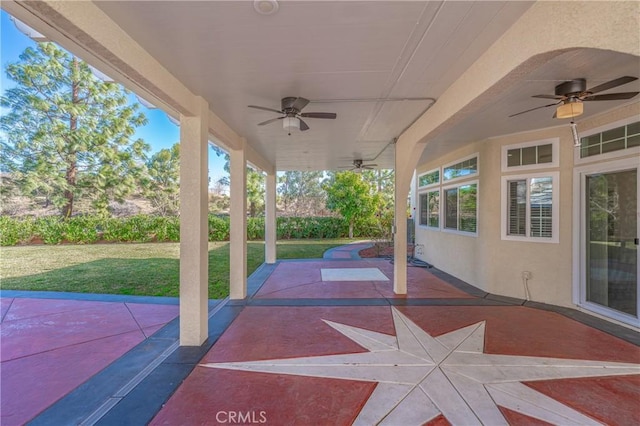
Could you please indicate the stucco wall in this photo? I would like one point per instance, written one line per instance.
(496, 265)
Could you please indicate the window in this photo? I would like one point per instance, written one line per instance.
(460, 206)
(616, 139)
(429, 178)
(465, 168)
(530, 207)
(433, 199)
(430, 209)
(531, 155)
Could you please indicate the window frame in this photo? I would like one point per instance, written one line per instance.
(555, 213)
(457, 185)
(577, 160)
(445, 181)
(555, 155)
(430, 184)
(426, 193)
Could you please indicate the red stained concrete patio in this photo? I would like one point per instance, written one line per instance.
(58, 354)
(264, 333)
(50, 346)
(291, 280)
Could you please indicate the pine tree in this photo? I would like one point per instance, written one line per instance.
(67, 135)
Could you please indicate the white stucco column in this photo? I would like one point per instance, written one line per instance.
(407, 156)
(270, 226)
(400, 240)
(194, 260)
(238, 213)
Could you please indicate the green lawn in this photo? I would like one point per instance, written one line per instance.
(150, 269)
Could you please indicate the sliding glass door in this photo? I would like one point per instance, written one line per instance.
(610, 240)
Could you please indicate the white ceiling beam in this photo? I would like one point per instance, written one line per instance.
(258, 160)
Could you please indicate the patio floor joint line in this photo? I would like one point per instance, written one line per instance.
(112, 401)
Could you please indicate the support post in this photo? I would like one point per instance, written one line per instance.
(406, 159)
(238, 231)
(270, 224)
(194, 266)
(400, 241)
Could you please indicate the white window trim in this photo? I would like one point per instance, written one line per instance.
(555, 153)
(579, 257)
(427, 192)
(460, 160)
(443, 228)
(431, 184)
(635, 151)
(555, 214)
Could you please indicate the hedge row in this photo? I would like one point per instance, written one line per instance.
(145, 228)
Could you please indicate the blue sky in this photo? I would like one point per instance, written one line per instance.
(159, 132)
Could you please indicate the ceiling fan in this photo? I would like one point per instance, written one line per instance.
(359, 166)
(291, 112)
(571, 94)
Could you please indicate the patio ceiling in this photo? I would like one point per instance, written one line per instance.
(361, 60)
(490, 115)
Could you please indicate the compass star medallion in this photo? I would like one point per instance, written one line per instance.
(420, 376)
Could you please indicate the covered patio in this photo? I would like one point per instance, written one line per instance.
(341, 340)
(397, 77)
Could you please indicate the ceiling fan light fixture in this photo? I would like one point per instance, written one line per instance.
(570, 109)
(291, 123)
(266, 7)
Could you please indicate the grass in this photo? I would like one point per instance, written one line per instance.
(150, 269)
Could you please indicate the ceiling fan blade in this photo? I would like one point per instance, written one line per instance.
(265, 109)
(303, 126)
(533, 109)
(548, 96)
(611, 96)
(300, 103)
(329, 115)
(270, 121)
(611, 84)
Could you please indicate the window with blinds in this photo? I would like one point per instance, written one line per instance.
(517, 199)
(530, 207)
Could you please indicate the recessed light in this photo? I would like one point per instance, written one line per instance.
(266, 7)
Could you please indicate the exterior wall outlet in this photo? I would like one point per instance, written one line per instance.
(526, 275)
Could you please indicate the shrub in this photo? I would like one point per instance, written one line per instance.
(144, 228)
(50, 229)
(255, 228)
(218, 228)
(15, 231)
(81, 229)
(167, 228)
